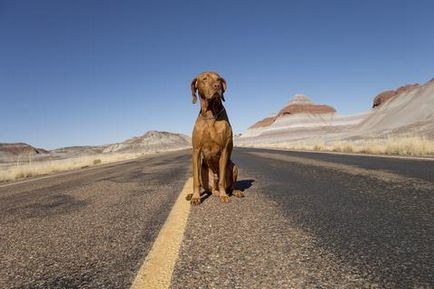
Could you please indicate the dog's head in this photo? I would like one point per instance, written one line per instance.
(210, 85)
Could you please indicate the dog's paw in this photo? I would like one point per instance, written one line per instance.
(238, 193)
(224, 199)
(195, 201)
(188, 197)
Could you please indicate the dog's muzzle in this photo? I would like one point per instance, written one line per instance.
(217, 94)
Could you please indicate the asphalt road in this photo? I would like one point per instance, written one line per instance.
(87, 229)
(308, 221)
(315, 221)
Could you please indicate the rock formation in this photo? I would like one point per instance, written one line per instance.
(302, 121)
(303, 104)
(264, 122)
(389, 94)
(151, 141)
(10, 151)
(300, 103)
(20, 148)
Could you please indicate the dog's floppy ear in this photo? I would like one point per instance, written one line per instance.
(193, 90)
(224, 85)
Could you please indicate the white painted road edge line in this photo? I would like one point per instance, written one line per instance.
(400, 157)
(156, 271)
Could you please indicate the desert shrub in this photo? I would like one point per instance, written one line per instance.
(347, 148)
(319, 147)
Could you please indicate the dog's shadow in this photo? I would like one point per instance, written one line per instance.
(241, 185)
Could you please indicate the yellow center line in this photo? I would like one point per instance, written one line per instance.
(156, 271)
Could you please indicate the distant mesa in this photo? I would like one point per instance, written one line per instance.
(383, 97)
(13, 151)
(20, 149)
(407, 88)
(152, 141)
(75, 151)
(407, 110)
(303, 104)
(389, 94)
(300, 103)
(264, 122)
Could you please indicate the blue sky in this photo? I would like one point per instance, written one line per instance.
(95, 72)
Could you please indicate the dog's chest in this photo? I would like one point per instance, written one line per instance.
(214, 138)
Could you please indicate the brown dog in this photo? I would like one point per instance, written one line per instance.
(212, 141)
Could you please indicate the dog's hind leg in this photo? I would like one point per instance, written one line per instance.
(233, 173)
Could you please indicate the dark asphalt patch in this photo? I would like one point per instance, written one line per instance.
(44, 207)
(414, 168)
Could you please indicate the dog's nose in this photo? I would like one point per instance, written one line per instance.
(216, 85)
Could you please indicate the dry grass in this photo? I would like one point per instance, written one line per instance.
(31, 169)
(393, 145)
(47, 167)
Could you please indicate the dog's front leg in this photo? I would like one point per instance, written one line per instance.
(195, 199)
(223, 162)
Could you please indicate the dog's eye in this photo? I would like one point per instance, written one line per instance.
(204, 79)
